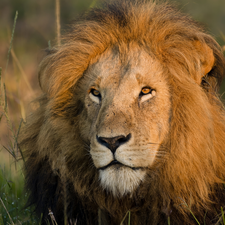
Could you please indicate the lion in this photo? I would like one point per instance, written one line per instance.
(130, 125)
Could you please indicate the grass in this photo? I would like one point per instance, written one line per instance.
(12, 195)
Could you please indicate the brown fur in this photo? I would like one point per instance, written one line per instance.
(59, 169)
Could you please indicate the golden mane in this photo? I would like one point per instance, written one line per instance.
(192, 172)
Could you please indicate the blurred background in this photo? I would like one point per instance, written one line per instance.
(36, 28)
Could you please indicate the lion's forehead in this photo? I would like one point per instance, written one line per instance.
(125, 75)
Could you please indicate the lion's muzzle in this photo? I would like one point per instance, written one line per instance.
(114, 142)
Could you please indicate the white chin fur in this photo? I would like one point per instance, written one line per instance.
(120, 181)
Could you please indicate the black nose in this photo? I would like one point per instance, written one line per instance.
(114, 142)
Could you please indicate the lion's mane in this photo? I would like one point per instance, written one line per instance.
(59, 171)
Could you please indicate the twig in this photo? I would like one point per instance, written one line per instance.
(6, 211)
(21, 71)
(57, 13)
(50, 213)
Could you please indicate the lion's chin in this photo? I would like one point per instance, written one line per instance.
(121, 180)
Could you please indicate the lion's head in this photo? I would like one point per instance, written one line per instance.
(120, 99)
(129, 118)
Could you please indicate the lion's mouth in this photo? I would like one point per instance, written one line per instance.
(116, 164)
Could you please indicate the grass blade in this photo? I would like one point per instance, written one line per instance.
(99, 217)
(18, 131)
(0, 76)
(7, 211)
(191, 212)
(10, 151)
(1, 103)
(49, 45)
(168, 219)
(124, 218)
(223, 215)
(5, 107)
(129, 215)
(10, 46)
(93, 4)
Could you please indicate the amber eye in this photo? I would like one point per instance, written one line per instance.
(95, 95)
(146, 90)
(95, 92)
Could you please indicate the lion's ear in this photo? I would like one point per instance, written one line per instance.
(207, 58)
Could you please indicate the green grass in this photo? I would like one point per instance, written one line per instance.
(13, 197)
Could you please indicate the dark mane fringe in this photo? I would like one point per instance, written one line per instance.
(195, 169)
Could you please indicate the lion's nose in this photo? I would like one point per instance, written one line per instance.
(114, 142)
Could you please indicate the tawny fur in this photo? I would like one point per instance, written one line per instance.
(60, 172)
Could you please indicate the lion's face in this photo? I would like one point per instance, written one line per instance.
(127, 104)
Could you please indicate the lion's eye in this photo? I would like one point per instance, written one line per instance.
(95, 95)
(95, 92)
(146, 90)
(146, 93)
